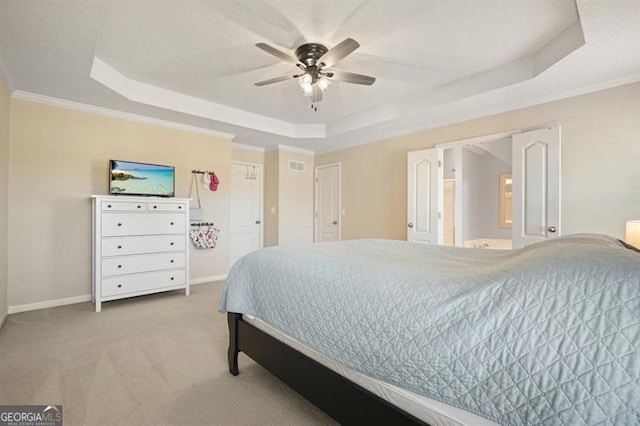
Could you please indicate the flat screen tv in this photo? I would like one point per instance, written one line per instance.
(130, 178)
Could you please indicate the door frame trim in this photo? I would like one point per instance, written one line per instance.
(246, 163)
(315, 198)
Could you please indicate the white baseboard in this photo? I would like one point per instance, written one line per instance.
(86, 298)
(3, 318)
(49, 304)
(207, 279)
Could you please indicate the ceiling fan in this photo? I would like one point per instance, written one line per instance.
(317, 63)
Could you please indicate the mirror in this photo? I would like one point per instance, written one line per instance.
(506, 191)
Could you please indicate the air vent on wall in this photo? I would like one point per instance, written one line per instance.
(296, 166)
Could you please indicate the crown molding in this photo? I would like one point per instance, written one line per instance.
(281, 147)
(570, 93)
(244, 147)
(78, 106)
(4, 76)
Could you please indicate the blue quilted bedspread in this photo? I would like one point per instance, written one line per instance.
(548, 334)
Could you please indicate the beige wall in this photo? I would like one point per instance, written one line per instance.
(289, 195)
(271, 196)
(4, 189)
(59, 157)
(600, 164)
(245, 156)
(295, 200)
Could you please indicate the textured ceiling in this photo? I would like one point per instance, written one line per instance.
(195, 62)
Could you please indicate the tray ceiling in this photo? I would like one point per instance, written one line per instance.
(435, 61)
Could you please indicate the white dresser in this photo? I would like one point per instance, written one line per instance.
(140, 246)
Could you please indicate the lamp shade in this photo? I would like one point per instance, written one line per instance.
(632, 234)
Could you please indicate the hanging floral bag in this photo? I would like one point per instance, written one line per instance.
(204, 235)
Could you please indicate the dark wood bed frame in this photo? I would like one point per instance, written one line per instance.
(345, 401)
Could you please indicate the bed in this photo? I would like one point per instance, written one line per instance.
(548, 334)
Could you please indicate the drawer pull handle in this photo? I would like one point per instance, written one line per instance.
(171, 261)
(171, 278)
(119, 247)
(179, 207)
(119, 266)
(119, 285)
(119, 224)
(172, 243)
(108, 206)
(155, 207)
(139, 207)
(172, 223)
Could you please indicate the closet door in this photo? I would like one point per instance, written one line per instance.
(327, 192)
(536, 186)
(424, 200)
(246, 209)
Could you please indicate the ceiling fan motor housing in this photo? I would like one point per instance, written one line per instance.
(309, 53)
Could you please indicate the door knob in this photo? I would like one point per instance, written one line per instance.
(552, 229)
(410, 225)
(335, 222)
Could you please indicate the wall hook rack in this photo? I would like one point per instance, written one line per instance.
(203, 224)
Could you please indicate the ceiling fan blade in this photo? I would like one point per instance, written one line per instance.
(339, 51)
(277, 53)
(273, 80)
(351, 77)
(316, 94)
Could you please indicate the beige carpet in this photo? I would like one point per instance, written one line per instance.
(157, 359)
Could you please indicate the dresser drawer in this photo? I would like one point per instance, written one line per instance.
(119, 246)
(166, 207)
(123, 206)
(141, 282)
(120, 224)
(141, 263)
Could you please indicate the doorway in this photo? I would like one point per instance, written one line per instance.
(486, 176)
(246, 209)
(474, 210)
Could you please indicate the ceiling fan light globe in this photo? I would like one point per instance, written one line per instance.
(307, 89)
(323, 83)
(305, 80)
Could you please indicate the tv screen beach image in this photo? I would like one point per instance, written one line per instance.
(141, 179)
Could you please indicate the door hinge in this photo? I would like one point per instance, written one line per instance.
(316, 180)
(439, 215)
(439, 163)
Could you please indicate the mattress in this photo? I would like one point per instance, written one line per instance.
(428, 410)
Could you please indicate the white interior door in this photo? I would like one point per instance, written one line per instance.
(536, 186)
(246, 209)
(424, 200)
(327, 220)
